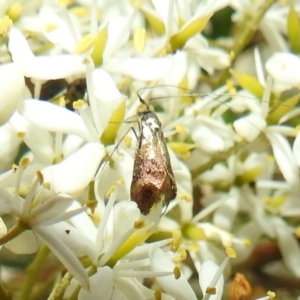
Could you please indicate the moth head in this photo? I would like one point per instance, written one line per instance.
(144, 108)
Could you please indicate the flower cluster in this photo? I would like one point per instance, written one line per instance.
(222, 77)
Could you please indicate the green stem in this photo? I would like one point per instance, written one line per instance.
(14, 232)
(59, 290)
(247, 29)
(32, 272)
(74, 296)
(60, 287)
(4, 295)
(219, 157)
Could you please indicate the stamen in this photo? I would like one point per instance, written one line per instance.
(176, 241)
(85, 44)
(211, 290)
(105, 217)
(177, 273)
(30, 196)
(157, 295)
(82, 109)
(23, 164)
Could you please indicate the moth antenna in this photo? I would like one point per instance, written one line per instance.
(140, 97)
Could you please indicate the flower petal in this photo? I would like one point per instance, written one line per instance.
(64, 254)
(43, 114)
(25, 243)
(43, 149)
(284, 158)
(249, 127)
(296, 149)
(77, 171)
(207, 272)
(283, 68)
(178, 288)
(12, 86)
(145, 69)
(50, 209)
(101, 286)
(289, 247)
(42, 67)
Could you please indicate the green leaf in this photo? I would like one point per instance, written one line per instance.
(282, 109)
(249, 83)
(154, 21)
(293, 30)
(110, 132)
(178, 40)
(99, 47)
(248, 176)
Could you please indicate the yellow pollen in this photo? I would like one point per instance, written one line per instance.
(271, 295)
(110, 190)
(78, 104)
(246, 242)
(127, 141)
(211, 290)
(157, 295)
(271, 158)
(25, 162)
(40, 177)
(230, 252)
(21, 134)
(179, 128)
(62, 101)
(120, 181)
(138, 224)
(177, 273)
(50, 27)
(5, 25)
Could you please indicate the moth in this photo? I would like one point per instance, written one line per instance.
(153, 179)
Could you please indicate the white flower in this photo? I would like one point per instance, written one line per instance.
(12, 87)
(179, 288)
(40, 217)
(42, 67)
(123, 258)
(195, 48)
(282, 67)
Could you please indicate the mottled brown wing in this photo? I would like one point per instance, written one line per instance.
(153, 178)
